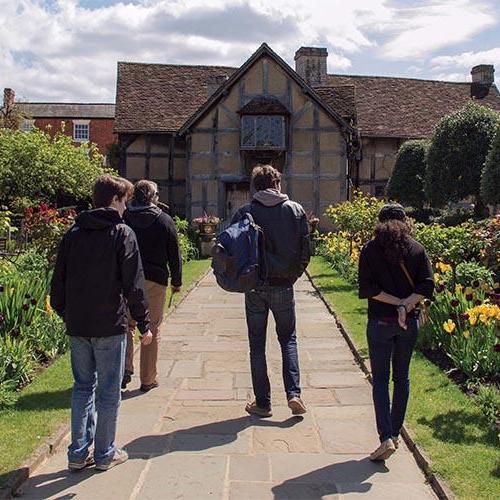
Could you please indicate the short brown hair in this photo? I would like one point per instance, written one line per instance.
(265, 177)
(144, 192)
(108, 186)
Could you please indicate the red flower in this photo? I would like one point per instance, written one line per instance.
(478, 302)
(34, 302)
(469, 296)
(496, 348)
(454, 303)
(452, 315)
(26, 307)
(475, 284)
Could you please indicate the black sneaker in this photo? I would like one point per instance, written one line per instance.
(127, 378)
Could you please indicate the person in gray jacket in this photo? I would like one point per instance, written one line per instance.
(287, 254)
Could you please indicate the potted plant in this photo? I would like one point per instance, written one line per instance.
(207, 224)
(313, 222)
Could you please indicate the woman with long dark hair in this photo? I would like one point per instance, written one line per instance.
(395, 275)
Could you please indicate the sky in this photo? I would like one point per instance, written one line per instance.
(67, 50)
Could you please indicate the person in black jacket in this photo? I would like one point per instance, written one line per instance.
(159, 247)
(394, 275)
(287, 254)
(98, 273)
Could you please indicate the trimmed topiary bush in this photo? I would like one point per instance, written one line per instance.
(457, 154)
(406, 184)
(490, 180)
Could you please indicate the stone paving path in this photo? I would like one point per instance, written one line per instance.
(191, 439)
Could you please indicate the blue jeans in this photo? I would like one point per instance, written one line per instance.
(281, 302)
(98, 365)
(388, 342)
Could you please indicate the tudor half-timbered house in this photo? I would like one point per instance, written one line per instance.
(199, 130)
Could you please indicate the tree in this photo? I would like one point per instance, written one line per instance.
(35, 168)
(406, 184)
(490, 180)
(457, 154)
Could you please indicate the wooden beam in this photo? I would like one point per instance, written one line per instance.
(265, 76)
(188, 178)
(316, 161)
(148, 156)
(171, 145)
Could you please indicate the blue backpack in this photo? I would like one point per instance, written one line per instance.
(238, 256)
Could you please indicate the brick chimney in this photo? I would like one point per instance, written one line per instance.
(483, 77)
(8, 98)
(310, 64)
(213, 83)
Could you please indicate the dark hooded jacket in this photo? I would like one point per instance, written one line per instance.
(286, 235)
(98, 272)
(158, 243)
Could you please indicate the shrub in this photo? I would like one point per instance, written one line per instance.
(454, 216)
(406, 184)
(356, 218)
(344, 259)
(35, 168)
(457, 154)
(488, 232)
(449, 244)
(487, 398)
(188, 248)
(490, 179)
(45, 227)
(468, 273)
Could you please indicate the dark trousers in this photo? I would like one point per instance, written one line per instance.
(389, 343)
(280, 301)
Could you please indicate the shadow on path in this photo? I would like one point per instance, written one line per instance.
(315, 485)
(201, 437)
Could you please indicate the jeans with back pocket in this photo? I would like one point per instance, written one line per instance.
(388, 344)
(281, 302)
(98, 364)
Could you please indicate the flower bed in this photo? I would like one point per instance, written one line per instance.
(464, 317)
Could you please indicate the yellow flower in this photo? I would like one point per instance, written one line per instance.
(437, 277)
(466, 334)
(458, 288)
(48, 307)
(472, 320)
(444, 268)
(449, 326)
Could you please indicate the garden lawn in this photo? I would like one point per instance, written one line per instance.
(462, 446)
(44, 405)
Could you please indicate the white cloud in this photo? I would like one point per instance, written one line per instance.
(58, 50)
(421, 30)
(468, 59)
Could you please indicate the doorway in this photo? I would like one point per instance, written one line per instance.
(237, 195)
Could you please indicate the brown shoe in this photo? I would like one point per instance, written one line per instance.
(297, 406)
(88, 462)
(253, 409)
(395, 440)
(148, 387)
(384, 451)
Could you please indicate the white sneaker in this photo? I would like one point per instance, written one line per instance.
(119, 457)
(384, 451)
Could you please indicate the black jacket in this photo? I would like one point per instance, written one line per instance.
(376, 274)
(286, 238)
(158, 243)
(98, 272)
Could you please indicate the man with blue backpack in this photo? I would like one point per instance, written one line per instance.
(263, 253)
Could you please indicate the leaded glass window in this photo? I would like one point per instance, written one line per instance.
(263, 132)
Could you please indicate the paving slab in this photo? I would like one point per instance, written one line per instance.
(191, 438)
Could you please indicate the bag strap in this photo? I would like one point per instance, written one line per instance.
(407, 274)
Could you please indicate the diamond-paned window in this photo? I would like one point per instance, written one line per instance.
(263, 132)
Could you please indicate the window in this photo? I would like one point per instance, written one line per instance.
(81, 130)
(263, 132)
(27, 125)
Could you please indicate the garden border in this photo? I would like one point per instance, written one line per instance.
(19, 476)
(438, 485)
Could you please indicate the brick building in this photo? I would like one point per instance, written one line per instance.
(82, 121)
(199, 130)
